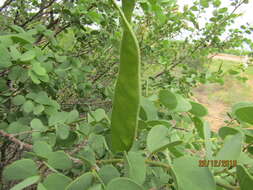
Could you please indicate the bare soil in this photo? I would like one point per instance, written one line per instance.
(229, 57)
(218, 108)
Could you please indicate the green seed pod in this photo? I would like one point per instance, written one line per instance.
(126, 101)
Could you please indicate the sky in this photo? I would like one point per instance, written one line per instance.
(245, 9)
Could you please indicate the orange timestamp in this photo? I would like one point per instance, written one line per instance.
(217, 163)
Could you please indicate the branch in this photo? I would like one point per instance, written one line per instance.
(6, 3)
(201, 44)
(150, 162)
(38, 13)
(58, 32)
(228, 187)
(15, 140)
(51, 24)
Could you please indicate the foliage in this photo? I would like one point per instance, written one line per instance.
(58, 65)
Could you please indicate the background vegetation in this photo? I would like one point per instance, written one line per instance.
(59, 62)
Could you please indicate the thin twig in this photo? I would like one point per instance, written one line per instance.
(6, 3)
(38, 13)
(15, 140)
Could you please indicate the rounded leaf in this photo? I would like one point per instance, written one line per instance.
(183, 105)
(123, 183)
(189, 175)
(59, 160)
(38, 69)
(168, 99)
(28, 56)
(18, 100)
(225, 131)
(135, 167)
(56, 181)
(28, 106)
(20, 169)
(36, 124)
(107, 173)
(26, 183)
(245, 114)
(198, 109)
(82, 182)
(244, 178)
(42, 149)
(159, 138)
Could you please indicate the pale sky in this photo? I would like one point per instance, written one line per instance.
(245, 9)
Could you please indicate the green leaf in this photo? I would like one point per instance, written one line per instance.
(28, 56)
(63, 131)
(20, 169)
(56, 181)
(23, 38)
(159, 138)
(18, 100)
(135, 167)
(26, 183)
(249, 135)
(28, 106)
(204, 3)
(67, 40)
(38, 109)
(199, 124)
(41, 187)
(217, 3)
(41, 98)
(168, 99)
(231, 149)
(57, 118)
(97, 143)
(94, 16)
(38, 69)
(5, 59)
(96, 187)
(183, 105)
(223, 10)
(225, 131)
(68, 142)
(99, 114)
(82, 182)
(14, 53)
(59, 160)
(149, 109)
(159, 122)
(72, 116)
(36, 124)
(244, 178)
(244, 112)
(17, 127)
(198, 109)
(33, 77)
(124, 184)
(42, 149)
(189, 175)
(107, 173)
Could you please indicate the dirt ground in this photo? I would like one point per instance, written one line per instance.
(216, 106)
(229, 57)
(216, 110)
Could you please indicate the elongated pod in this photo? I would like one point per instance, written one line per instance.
(126, 101)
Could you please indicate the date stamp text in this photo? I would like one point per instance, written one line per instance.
(217, 163)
